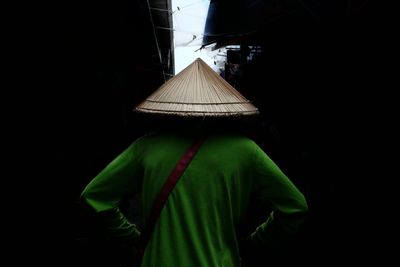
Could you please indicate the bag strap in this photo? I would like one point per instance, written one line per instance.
(165, 191)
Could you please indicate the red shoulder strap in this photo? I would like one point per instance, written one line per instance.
(165, 191)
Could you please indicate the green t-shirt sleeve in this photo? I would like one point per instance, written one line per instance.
(274, 189)
(119, 179)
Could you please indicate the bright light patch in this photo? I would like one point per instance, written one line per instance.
(189, 18)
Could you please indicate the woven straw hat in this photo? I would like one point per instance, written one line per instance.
(197, 91)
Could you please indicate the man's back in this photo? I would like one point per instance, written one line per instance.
(198, 224)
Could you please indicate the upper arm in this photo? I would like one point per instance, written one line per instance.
(274, 188)
(121, 177)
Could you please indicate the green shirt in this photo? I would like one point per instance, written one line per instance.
(198, 224)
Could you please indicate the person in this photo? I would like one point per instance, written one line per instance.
(198, 225)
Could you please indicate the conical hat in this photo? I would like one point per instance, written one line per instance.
(197, 91)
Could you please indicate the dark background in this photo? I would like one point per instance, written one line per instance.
(321, 123)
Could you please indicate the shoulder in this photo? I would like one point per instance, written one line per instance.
(233, 141)
(147, 138)
(157, 140)
(235, 138)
